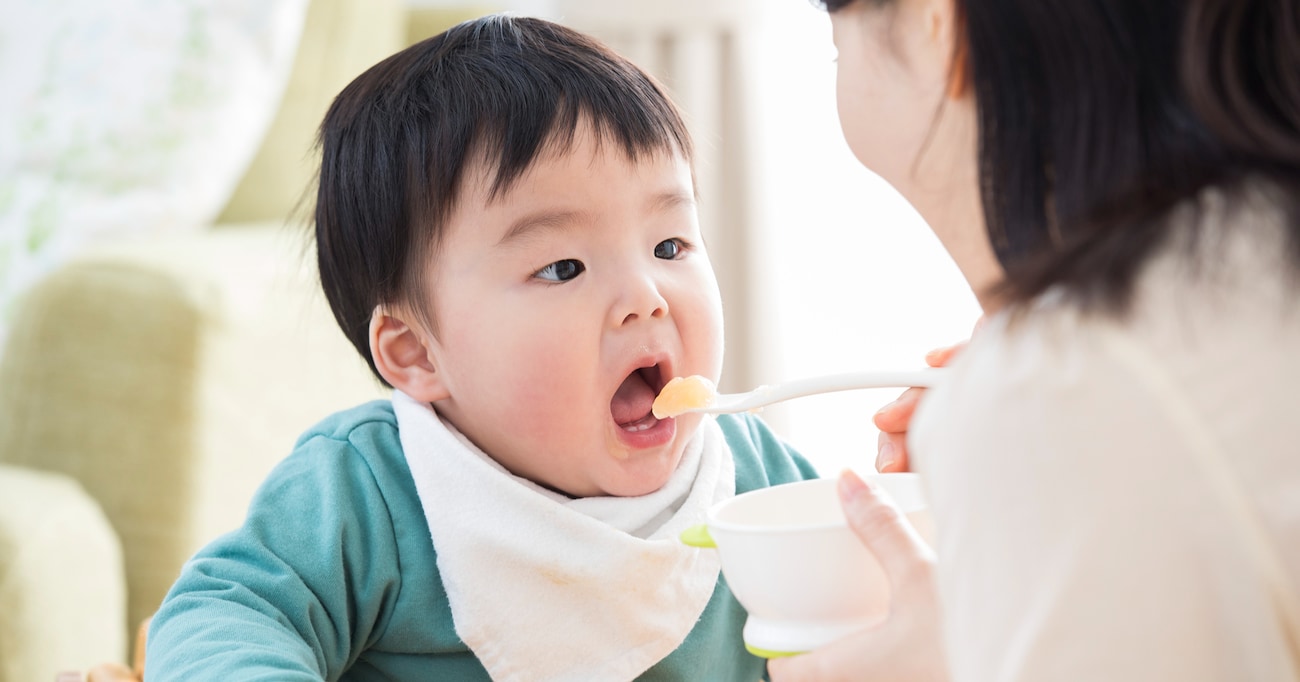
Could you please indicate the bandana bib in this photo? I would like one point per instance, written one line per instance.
(544, 587)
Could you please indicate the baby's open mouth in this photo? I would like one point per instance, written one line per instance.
(634, 398)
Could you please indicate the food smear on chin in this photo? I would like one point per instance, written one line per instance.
(682, 394)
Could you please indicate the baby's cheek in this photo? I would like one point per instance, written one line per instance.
(704, 337)
(536, 412)
(547, 392)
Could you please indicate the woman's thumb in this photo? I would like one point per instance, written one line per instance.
(884, 529)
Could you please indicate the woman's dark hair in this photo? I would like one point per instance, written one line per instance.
(1096, 117)
(396, 143)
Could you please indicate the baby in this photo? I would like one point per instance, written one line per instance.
(506, 230)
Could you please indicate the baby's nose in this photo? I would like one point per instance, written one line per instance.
(640, 300)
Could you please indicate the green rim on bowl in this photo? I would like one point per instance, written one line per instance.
(764, 653)
(697, 536)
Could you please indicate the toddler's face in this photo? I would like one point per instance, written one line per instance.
(564, 305)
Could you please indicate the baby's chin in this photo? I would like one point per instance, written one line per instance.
(638, 488)
(644, 478)
(619, 484)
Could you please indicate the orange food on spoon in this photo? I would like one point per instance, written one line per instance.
(682, 394)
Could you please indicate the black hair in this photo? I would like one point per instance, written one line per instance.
(395, 145)
(1097, 117)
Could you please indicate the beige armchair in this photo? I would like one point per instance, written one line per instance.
(147, 388)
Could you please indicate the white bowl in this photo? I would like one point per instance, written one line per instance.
(791, 560)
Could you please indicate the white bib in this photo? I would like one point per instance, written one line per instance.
(544, 587)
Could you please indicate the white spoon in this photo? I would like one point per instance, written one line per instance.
(699, 394)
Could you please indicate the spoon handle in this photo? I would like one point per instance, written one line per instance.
(798, 388)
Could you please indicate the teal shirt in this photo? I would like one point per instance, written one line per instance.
(333, 574)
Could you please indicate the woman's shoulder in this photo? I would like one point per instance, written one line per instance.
(1215, 309)
(1075, 408)
(1205, 340)
(1025, 379)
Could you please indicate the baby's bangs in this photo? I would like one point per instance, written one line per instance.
(638, 133)
(533, 91)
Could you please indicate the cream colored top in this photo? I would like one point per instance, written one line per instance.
(1120, 500)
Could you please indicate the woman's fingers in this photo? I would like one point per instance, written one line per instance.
(939, 357)
(896, 416)
(891, 453)
(893, 420)
(885, 531)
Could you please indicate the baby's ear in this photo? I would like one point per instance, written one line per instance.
(402, 356)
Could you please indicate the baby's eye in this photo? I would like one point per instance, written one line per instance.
(561, 270)
(669, 249)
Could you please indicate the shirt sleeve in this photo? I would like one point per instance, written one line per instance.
(1078, 535)
(296, 592)
(762, 459)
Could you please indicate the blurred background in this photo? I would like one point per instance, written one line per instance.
(162, 343)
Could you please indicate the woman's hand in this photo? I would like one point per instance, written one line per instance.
(906, 646)
(895, 419)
